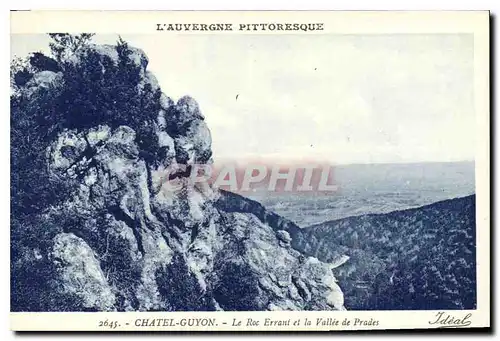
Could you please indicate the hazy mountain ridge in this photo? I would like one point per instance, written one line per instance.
(375, 188)
(421, 258)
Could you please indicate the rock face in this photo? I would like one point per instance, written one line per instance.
(118, 240)
(421, 258)
(80, 272)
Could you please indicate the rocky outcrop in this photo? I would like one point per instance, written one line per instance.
(119, 240)
(80, 272)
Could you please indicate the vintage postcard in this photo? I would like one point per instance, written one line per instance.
(249, 171)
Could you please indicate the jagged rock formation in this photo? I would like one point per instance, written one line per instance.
(93, 227)
(421, 258)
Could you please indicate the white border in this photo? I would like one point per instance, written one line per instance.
(189, 4)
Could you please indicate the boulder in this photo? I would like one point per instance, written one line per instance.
(129, 243)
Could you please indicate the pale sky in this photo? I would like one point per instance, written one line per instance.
(336, 98)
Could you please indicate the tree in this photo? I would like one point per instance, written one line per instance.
(64, 45)
(21, 72)
(41, 62)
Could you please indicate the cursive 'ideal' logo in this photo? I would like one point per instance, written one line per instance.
(446, 320)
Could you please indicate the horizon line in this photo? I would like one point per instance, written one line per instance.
(298, 161)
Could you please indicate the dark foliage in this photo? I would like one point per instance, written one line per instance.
(180, 288)
(422, 258)
(96, 90)
(237, 288)
(32, 272)
(41, 62)
(64, 44)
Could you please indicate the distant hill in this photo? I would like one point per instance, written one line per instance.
(373, 189)
(422, 258)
